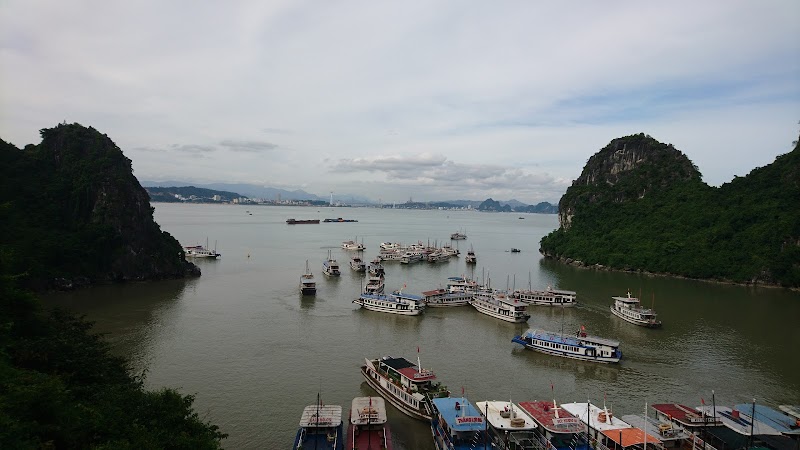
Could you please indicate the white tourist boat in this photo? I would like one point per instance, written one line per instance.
(597, 420)
(390, 246)
(405, 385)
(353, 245)
(500, 306)
(509, 426)
(437, 256)
(391, 255)
(547, 297)
(442, 298)
(629, 309)
(307, 284)
(330, 266)
(411, 256)
(394, 303)
(375, 267)
(577, 346)
(375, 284)
(358, 264)
(458, 236)
(199, 251)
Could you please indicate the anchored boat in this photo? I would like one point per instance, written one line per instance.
(405, 385)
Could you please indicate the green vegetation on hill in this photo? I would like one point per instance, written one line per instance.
(70, 207)
(71, 212)
(641, 205)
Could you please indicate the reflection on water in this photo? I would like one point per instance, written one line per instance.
(256, 352)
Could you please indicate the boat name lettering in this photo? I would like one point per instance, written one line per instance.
(469, 419)
(564, 420)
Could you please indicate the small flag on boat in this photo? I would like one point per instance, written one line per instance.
(702, 401)
(583, 328)
(462, 391)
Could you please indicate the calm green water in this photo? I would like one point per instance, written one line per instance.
(255, 352)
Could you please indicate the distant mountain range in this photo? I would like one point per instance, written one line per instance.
(270, 193)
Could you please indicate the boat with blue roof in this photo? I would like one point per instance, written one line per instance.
(578, 346)
(397, 302)
(320, 428)
(458, 425)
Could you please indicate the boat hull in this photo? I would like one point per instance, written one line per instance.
(641, 323)
(308, 290)
(380, 385)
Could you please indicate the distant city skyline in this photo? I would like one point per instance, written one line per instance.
(431, 100)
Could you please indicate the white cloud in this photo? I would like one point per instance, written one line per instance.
(515, 95)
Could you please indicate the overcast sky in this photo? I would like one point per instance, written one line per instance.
(426, 99)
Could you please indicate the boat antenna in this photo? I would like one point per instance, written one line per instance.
(529, 281)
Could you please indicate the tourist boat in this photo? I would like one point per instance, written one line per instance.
(629, 309)
(500, 306)
(558, 429)
(792, 410)
(411, 257)
(684, 416)
(375, 267)
(548, 297)
(448, 250)
(358, 264)
(739, 419)
(670, 434)
(458, 425)
(578, 346)
(408, 387)
(394, 303)
(509, 426)
(339, 219)
(441, 298)
(515, 250)
(320, 428)
(390, 255)
(458, 236)
(390, 246)
(199, 251)
(330, 267)
(375, 284)
(597, 420)
(353, 245)
(300, 222)
(438, 256)
(471, 258)
(368, 429)
(307, 284)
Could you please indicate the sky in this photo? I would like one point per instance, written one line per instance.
(430, 100)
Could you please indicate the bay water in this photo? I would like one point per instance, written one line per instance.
(255, 352)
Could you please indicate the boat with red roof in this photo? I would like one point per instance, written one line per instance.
(684, 416)
(559, 429)
(405, 385)
(368, 427)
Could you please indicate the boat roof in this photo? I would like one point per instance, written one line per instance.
(321, 415)
(492, 409)
(401, 294)
(741, 424)
(367, 410)
(681, 413)
(630, 436)
(769, 416)
(555, 420)
(651, 426)
(459, 414)
(408, 369)
(568, 339)
(434, 292)
(631, 300)
(792, 410)
(579, 410)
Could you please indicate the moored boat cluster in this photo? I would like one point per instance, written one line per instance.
(457, 423)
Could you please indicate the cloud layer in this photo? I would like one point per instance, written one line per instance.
(430, 99)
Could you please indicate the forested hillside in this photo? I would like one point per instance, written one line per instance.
(641, 205)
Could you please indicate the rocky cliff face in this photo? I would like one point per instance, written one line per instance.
(627, 168)
(87, 202)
